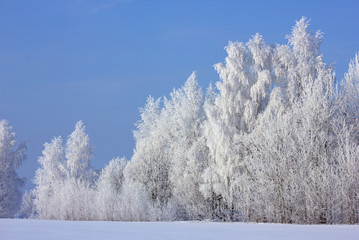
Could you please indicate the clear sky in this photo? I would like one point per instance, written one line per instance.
(97, 60)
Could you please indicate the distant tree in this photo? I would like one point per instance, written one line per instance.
(165, 160)
(49, 180)
(135, 204)
(244, 89)
(78, 154)
(293, 147)
(276, 140)
(182, 118)
(108, 186)
(345, 166)
(64, 181)
(27, 208)
(10, 160)
(77, 190)
(348, 99)
(148, 167)
(268, 128)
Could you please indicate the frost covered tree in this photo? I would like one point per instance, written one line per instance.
(77, 191)
(148, 166)
(343, 201)
(296, 145)
(270, 143)
(109, 186)
(276, 140)
(135, 203)
(268, 128)
(49, 180)
(27, 208)
(184, 116)
(345, 168)
(244, 89)
(349, 95)
(10, 160)
(78, 154)
(65, 178)
(165, 159)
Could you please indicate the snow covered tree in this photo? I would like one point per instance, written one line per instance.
(292, 147)
(344, 199)
(10, 160)
(349, 94)
(64, 181)
(78, 154)
(49, 180)
(269, 127)
(184, 116)
(27, 208)
(244, 89)
(135, 203)
(311, 92)
(345, 163)
(109, 186)
(276, 141)
(148, 166)
(78, 189)
(165, 160)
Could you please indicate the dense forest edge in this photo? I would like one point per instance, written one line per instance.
(275, 140)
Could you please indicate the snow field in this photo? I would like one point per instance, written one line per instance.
(17, 229)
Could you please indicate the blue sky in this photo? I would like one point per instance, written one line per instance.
(97, 61)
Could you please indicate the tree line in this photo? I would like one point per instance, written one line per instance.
(275, 140)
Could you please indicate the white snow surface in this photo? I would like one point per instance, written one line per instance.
(47, 229)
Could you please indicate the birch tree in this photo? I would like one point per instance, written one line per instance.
(10, 159)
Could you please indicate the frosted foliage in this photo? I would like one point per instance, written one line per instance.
(109, 186)
(149, 115)
(283, 64)
(27, 208)
(78, 152)
(135, 204)
(164, 136)
(111, 176)
(270, 126)
(305, 44)
(246, 81)
(260, 53)
(48, 179)
(352, 76)
(148, 164)
(350, 98)
(10, 160)
(64, 180)
(276, 140)
(306, 47)
(292, 149)
(244, 91)
(185, 112)
(147, 152)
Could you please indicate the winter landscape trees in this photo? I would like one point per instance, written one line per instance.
(10, 159)
(276, 140)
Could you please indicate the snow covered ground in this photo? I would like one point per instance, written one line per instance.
(44, 229)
